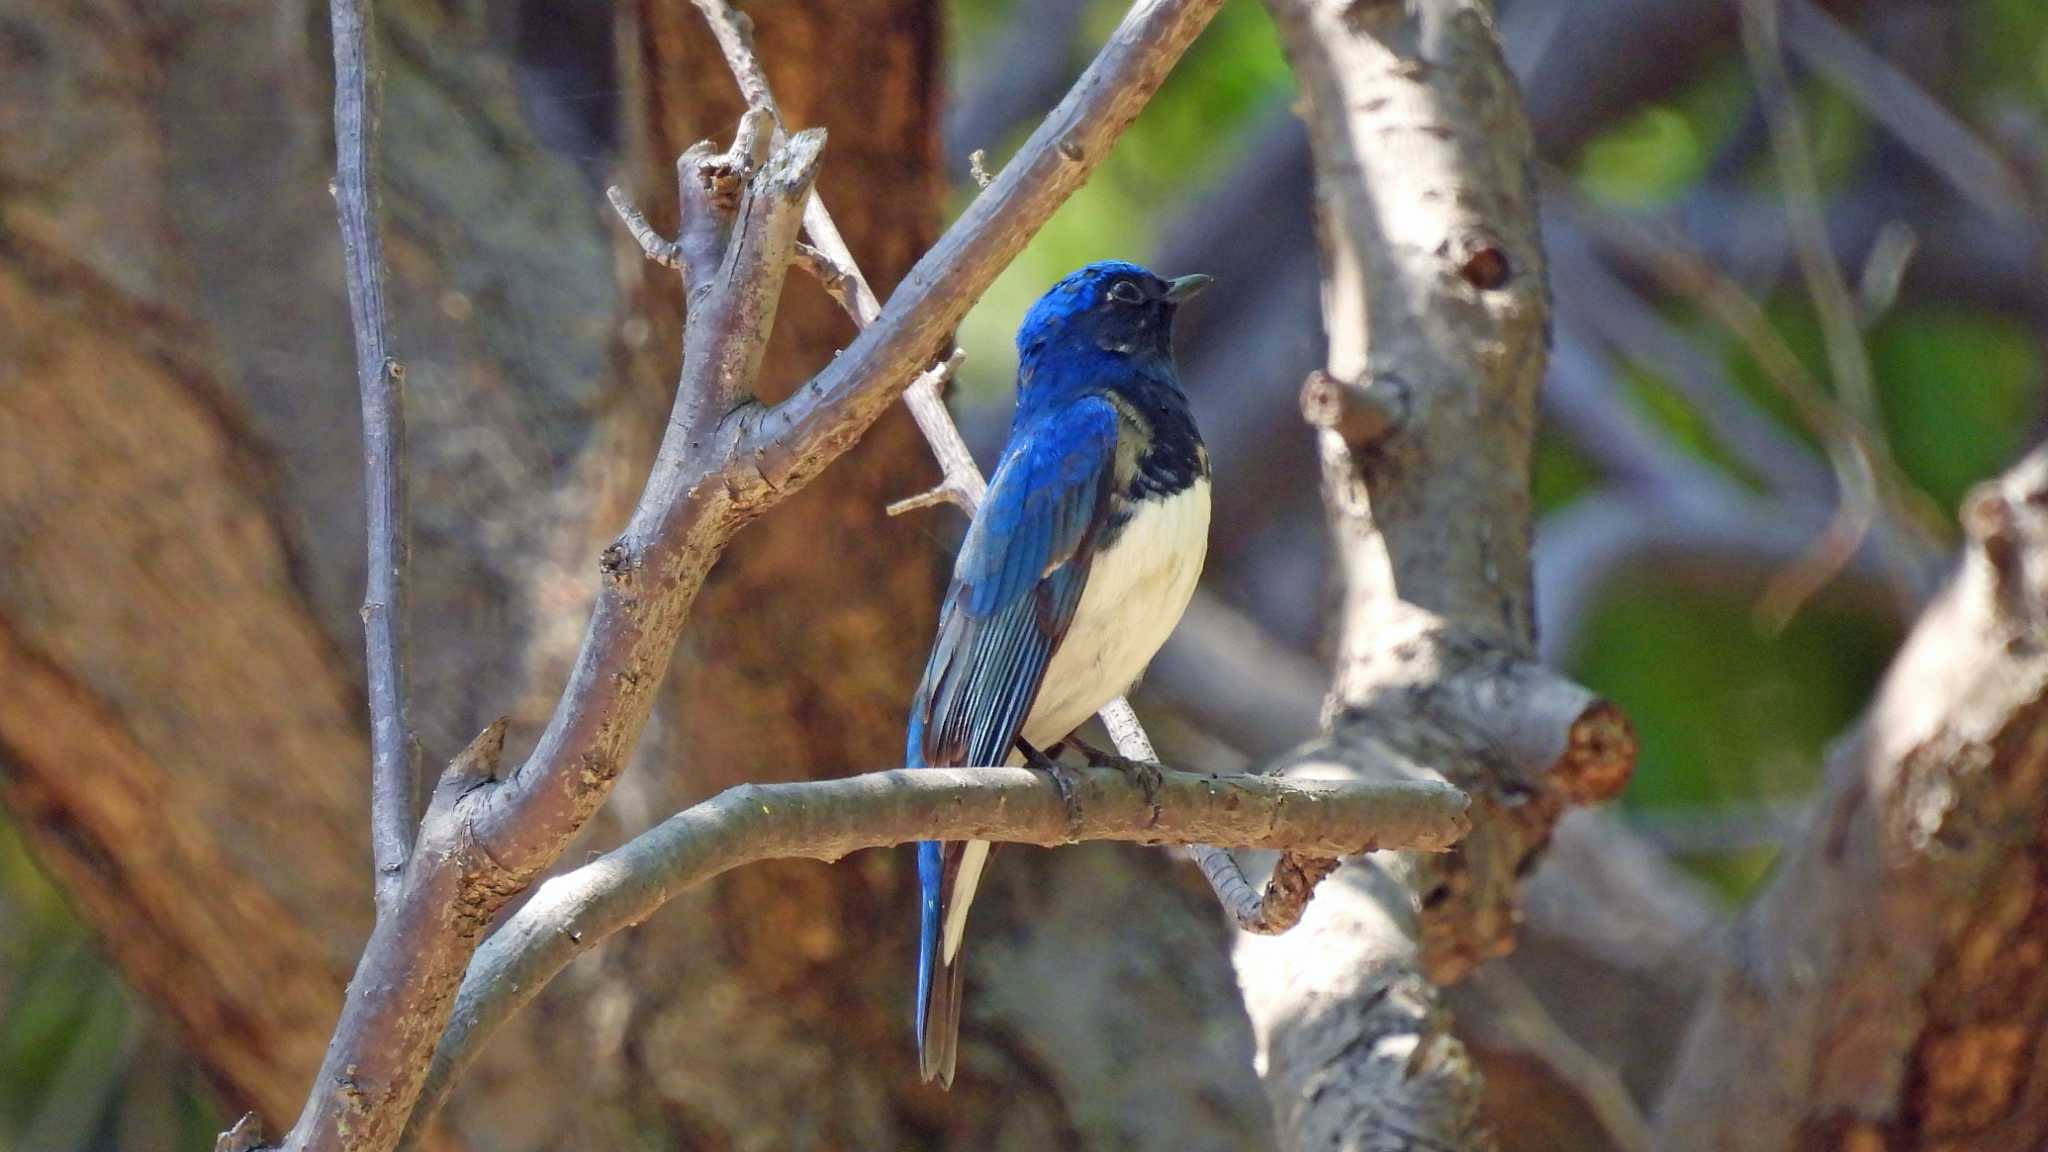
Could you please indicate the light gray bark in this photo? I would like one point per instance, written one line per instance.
(1435, 302)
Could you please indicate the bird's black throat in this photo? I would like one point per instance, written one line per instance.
(1169, 456)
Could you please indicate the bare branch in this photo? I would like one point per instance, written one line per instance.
(1510, 1017)
(826, 819)
(1865, 474)
(820, 420)
(1025, 66)
(658, 248)
(962, 484)
(1949, 148)
(1799, 184)
(483, 842)
(394, 753)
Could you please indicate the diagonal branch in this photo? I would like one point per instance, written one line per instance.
(394, 756)
(575, 912)
(1885, 990)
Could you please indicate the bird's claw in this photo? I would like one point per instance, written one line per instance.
(1062, 780)
(1144, 773)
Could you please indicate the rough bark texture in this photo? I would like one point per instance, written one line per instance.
(1889, 989)
(1434, 298)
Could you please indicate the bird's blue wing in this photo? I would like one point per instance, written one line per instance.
(1015, 587)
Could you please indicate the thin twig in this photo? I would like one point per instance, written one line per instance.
(1799, 183)
(658, 248)
(826, 819)
(394, 756)
(1864, 472)
(1519, 1021)
(1950, 149)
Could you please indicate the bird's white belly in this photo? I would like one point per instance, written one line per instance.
(1137, 589)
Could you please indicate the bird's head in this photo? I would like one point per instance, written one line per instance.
(1111, 307)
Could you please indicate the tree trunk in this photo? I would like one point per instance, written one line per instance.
(180, 518)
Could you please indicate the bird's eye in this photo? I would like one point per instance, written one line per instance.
(1127, 292)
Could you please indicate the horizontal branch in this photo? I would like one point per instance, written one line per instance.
(724, 460)
(826, 819)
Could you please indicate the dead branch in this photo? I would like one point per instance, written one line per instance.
(394, 754)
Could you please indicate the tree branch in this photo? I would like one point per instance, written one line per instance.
(724, 460)
(1951, 151)
(1435, 302)
(824, 820)
(961, 482)
(1884, 990)
(394, 754)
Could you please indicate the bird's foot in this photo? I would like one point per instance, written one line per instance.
(1061, 778)
(1143, 773)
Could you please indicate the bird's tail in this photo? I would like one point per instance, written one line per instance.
(938, 1034)
(948, 875)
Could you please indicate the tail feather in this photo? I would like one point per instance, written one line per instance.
(948, 875)
(938, 1040)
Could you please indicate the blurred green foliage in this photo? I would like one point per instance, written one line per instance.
(82, 1064)
(1727, 712)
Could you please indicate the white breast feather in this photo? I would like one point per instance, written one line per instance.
(1137, 589)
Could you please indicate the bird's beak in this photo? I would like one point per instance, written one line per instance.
(1179, 290)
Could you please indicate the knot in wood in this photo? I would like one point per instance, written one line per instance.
(1483, 263)
(615, 561)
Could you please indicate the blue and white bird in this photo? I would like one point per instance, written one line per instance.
(1077, 566)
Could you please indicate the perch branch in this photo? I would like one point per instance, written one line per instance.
(572, 913)
(724, 460)
(394, 755)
